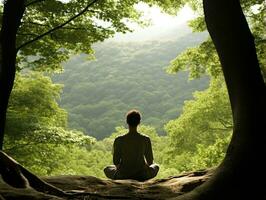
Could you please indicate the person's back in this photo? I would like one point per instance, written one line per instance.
(132, 154)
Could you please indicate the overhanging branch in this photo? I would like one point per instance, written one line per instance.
(57, 27)
(28, 34)
(48, 26)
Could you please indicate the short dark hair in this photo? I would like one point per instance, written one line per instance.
(133, 117)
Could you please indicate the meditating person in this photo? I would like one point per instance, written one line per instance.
(132, 154)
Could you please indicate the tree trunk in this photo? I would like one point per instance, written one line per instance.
(234, 43)
(13, 12)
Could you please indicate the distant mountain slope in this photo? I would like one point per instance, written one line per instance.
(97, 94)
(166, 33)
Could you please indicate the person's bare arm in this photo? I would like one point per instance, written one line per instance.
(116, 153)
(148, 152)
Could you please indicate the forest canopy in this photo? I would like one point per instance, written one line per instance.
(97, 94)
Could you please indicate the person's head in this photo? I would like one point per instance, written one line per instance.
(133, 118)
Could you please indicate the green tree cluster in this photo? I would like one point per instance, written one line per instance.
(36, 128)
(199, 137)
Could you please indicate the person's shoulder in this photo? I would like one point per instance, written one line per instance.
(117, 140)
(120, 137)
(145, 137)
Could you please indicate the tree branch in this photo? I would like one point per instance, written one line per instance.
(226, 124)
(68, 27)
(57, 27)
(29, 34)
(19, 146)
(261, 41)
(45, 25)
(219, 129)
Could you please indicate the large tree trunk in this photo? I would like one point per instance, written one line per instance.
(236, 49)
(13, 12)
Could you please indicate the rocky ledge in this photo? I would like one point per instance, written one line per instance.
(89, 187)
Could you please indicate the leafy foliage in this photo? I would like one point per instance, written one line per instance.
(203, 59)
(36, 126)
(198, 61)
(211, 155)
(63, 28)
(34, 94)
(203, 120)
(76, 36)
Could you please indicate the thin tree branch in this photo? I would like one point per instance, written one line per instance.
(57, 27)
(29, 34)
(20, 145)
(36, 23)
(219, 129)
(225, 124)
(27, 144)
(261, 41)
(68, 27)
(45, 25)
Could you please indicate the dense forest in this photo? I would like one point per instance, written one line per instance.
(46, 145)
(97, 94)
(196, 139)
(66, 123)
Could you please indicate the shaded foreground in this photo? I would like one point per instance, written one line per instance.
(89, 187)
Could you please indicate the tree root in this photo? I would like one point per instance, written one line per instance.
(15, 175)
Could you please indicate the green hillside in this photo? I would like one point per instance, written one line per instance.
(97, 94)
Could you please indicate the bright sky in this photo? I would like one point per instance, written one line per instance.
(158, 18)
(160, 22)
(161, 19)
